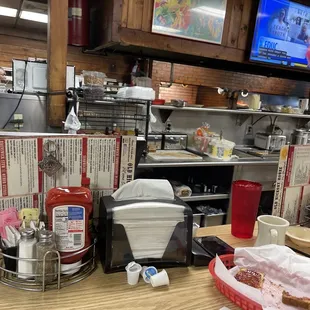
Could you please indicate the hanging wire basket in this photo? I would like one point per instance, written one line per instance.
(37, 282)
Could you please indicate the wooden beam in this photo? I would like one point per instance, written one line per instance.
(57, 60)
(177, 45)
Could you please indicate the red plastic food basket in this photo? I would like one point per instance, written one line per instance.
(236, 297)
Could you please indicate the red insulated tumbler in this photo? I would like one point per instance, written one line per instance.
(245, 201)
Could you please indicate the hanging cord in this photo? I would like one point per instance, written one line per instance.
(271, 123)
(20, 99)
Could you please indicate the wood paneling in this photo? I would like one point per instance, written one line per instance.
(147, 15)
(135, 14)
(124, 16)
(57, 61)
(245, 25)
(235, 22)
(229, 8)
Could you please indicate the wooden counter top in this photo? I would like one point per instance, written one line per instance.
(190, 289)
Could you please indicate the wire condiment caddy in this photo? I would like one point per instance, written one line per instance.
(13, 278)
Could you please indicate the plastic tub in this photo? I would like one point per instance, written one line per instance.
(93, 78)
(197, 218)
(213, 220)
(93, 92)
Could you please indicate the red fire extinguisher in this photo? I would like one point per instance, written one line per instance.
(78, 28)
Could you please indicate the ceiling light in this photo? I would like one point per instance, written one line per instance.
(4, 11)
(36, 17)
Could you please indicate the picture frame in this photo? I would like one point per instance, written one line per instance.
(199, 20)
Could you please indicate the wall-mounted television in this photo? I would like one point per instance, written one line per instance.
(282, 34)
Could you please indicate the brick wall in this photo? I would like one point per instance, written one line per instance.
(115, 66)
(179, 91)
(207, 78)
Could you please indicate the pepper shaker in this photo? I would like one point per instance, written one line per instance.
(46, 243)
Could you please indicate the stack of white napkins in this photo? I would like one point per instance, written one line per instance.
(149, 224)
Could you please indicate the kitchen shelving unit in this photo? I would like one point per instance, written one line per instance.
(229, 111)
(125, 113)
(205, 197)
(242, 114)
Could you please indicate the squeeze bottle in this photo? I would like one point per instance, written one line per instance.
(68, 210)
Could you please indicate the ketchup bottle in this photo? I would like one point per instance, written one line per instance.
(68, 210)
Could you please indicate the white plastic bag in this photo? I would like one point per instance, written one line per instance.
(72, 123)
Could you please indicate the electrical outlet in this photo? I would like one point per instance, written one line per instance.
(249, 130)
(18, 120)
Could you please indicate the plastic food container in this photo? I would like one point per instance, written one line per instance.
(213, 220)
(137, 92)
(158, 101)
(93, 78)
(93, 92)
(235, 296)
(221, 149)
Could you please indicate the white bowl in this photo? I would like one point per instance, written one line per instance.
(299, 235)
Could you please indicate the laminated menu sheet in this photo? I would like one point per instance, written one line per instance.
(96, 157)
(19, 166)
(292, 192)
(37, 201)
(20, 202)
(127, 160)
(102, 162)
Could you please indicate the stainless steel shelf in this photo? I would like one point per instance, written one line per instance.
(228, 111)
(205, 197)
(146, 163)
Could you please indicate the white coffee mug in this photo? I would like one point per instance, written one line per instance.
(271, 230)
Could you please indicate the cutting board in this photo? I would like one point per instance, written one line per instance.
(177, 155)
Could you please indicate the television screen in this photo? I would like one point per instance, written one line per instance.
(282, 34)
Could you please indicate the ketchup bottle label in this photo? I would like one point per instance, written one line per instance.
(69, 227)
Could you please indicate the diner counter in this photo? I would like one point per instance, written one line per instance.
(190, 288)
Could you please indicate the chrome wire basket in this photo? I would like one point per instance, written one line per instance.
(15, 279)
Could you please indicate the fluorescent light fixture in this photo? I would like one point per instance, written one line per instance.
(209, 11)
(4, 11)
(33, 16)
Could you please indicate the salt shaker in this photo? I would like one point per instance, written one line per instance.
(46, 243)
(26, 249)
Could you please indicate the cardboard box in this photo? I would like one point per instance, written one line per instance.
(292, 191)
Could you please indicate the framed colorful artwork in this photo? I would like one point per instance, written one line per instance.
(201, 20)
